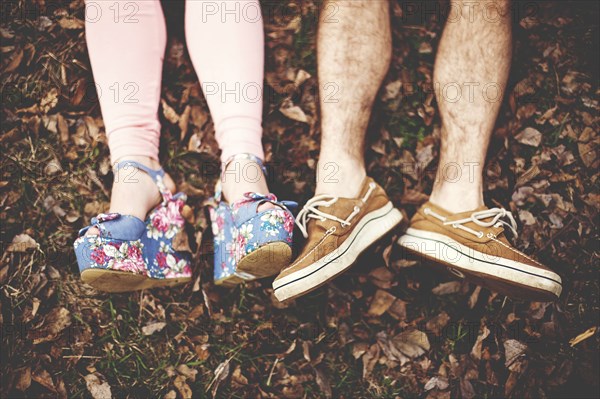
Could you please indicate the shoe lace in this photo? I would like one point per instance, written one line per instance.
(478, 218)
(310, 211)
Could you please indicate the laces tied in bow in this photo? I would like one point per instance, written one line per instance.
(311, 211)
(479, 219)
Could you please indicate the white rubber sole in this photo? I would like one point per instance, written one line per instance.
(461, 260)
(371, 227)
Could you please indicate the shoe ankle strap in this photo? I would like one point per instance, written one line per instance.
(247, 156)
(156, 174)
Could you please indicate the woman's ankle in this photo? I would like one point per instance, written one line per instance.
(242, 176)
(150, 162)
(134, 192)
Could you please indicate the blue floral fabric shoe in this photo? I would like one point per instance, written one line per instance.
(250, 244)
(165, 228)
(130, 254)
(223, 229)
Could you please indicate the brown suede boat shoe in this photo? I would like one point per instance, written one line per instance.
(472, 245)
(337, 231)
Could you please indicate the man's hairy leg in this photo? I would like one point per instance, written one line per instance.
(471, 71)
(354, 52)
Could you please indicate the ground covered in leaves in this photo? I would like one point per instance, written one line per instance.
(388, 328)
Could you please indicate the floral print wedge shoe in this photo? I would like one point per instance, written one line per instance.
(165, 229)
(250, 244)
(129, 254)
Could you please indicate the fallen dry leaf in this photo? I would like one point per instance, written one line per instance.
(412, 343)
(187, 372)
(169, 113)
(15, 61)
(49, 101)
(527, 217)
(35, 305)
(323, 382)
(151, 328)
(546, 115)
(529, 136)
(510, 383)
(71, 23)
(437, 323)
(424, 156)
(588, 145)
(387, 252)
(63, 128)
(306, 350)
(221, 373)
(382, 277)
(237, 378)
(451, 287)
(398, 310)
(476, 350)
(54, 323)
(392, 90)
(382, 300)
(440, 383)
(474, 297)
(181, 242)
(370, 359)
(44, 378)
(97, 388)
(202, 351)
(513, 350)
(23, 380)
(301, 77)
(196, 312)
(359, 349)
(51, 204)
(402, 263)
(390, 349)
(294, 113)
(72, 216)
(583, 336)
(183, 122)
(184, 389)
(22, 243)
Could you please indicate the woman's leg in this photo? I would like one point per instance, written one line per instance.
(126, 43)
(226, 44)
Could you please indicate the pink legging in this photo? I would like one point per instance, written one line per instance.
(126, 41)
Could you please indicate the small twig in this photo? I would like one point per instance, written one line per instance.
(141, 307)
(207, 303)
(81, 357)
(272, 371)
